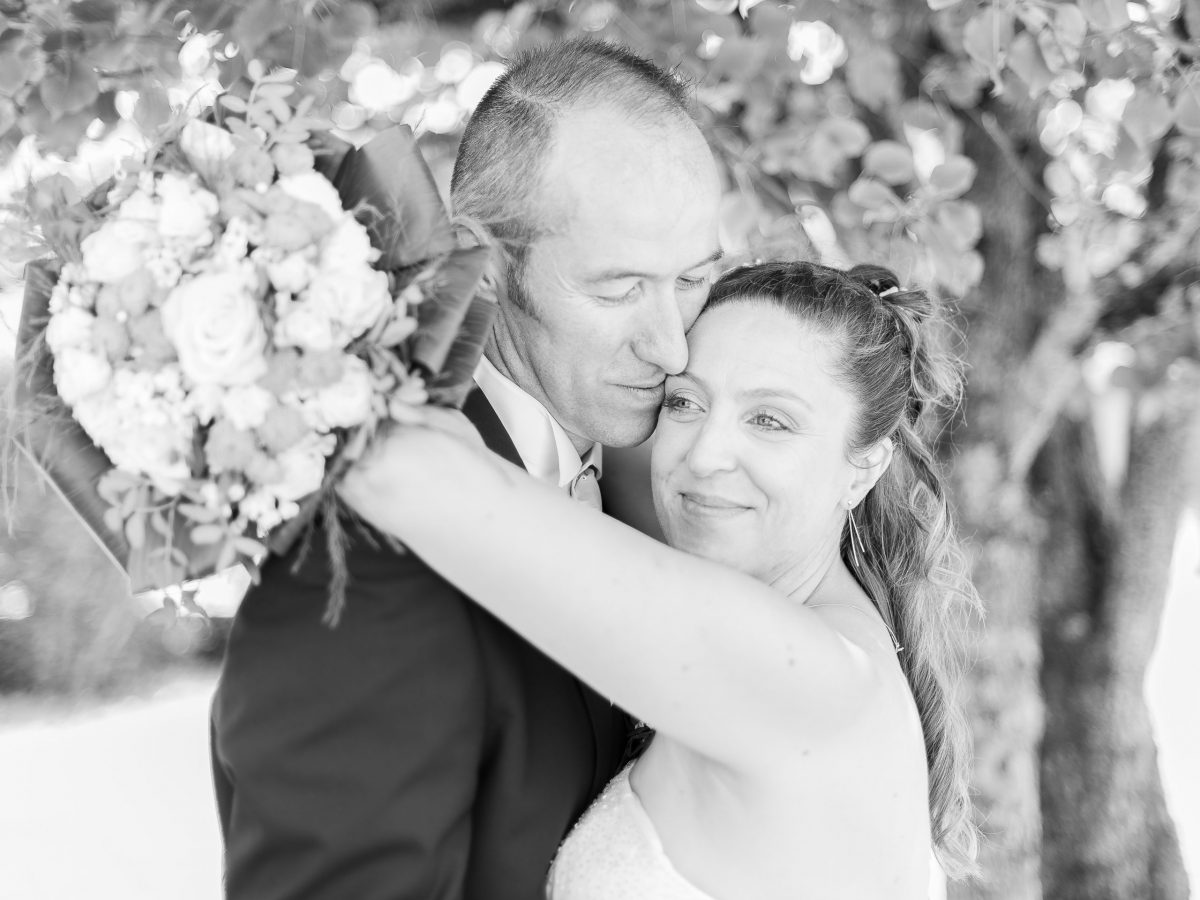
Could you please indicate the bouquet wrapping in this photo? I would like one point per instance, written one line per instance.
(222, 327)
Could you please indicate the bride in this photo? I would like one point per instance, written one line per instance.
(794, 648)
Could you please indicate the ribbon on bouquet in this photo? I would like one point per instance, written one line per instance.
(388, 185)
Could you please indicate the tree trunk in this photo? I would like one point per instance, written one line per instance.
(1073, 595)
(1002, 694)
(1107, 834)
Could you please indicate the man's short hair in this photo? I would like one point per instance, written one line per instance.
(502, 158)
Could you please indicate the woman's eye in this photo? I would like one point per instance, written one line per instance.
(680, 403)
(768, 422)
(690, 283)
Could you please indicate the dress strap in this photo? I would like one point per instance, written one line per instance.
(879, 618)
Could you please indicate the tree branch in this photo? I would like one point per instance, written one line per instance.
(991, 127)
(1050, 374)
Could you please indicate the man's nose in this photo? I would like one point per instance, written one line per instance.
(661, 340)
(712, 449)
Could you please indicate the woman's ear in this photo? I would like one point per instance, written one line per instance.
(868, 469)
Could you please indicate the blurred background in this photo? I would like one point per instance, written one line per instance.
(1036, 163)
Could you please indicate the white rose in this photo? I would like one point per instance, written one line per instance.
(68, 328)
(348, 402)
(206, 146)
(115, 250)
(214, 323)
(348, 246)
(79, 374)
(187, 211)
(354, 299)
(314, 188)
(303, 468)
(246, 406)
(291, 274)
(139, 207)
(304, 326)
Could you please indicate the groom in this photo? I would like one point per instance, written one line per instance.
(422, 750)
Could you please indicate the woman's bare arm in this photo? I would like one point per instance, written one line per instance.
(711, 656)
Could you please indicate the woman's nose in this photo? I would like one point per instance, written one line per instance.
(713, 449)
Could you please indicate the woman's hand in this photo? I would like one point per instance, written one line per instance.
(453, 422)
(402, 462)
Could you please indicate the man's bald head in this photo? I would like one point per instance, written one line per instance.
(500, 175)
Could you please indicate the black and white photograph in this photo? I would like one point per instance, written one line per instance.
(599, 449)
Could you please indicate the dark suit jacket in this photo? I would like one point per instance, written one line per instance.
(421, 750)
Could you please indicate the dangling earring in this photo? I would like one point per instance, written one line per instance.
(857, 549)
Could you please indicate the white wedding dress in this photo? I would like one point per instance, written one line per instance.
(613, 853)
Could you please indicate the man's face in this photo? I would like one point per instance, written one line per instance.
(612, 291)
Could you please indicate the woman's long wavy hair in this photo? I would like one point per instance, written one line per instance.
(893, 358)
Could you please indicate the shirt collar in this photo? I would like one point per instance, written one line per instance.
(543, 444)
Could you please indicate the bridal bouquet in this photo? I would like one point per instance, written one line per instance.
(222, 327)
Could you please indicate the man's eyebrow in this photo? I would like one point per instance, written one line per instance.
(618, 274)
(713, 257)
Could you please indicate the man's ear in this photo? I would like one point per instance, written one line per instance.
(869, 468)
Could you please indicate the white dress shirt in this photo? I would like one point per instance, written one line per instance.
(543, 444)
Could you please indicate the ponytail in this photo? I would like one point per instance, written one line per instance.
(911, 563)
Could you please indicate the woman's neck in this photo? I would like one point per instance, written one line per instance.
(801, 579)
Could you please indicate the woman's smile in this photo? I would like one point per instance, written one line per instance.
(709, 505)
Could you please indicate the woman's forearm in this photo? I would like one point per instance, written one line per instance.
(704, 653)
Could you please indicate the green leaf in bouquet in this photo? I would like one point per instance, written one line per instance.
(113, 519)
(261, 116)
(113, 486)
(239, 128)
(387, 180)
(176, 556)
(277, 89)
(207, 534)
(448, 297)
(228, 555)
(456, 379)
(156, 566)
(197, 513)
(250, 548)
(159, 523)
(135, 530)
(232, 102)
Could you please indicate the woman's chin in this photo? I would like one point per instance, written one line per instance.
(706, 545)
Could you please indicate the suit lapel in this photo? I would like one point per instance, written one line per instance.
(608, 723)
(484, 418)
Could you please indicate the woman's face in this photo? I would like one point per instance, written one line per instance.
(749, 462)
